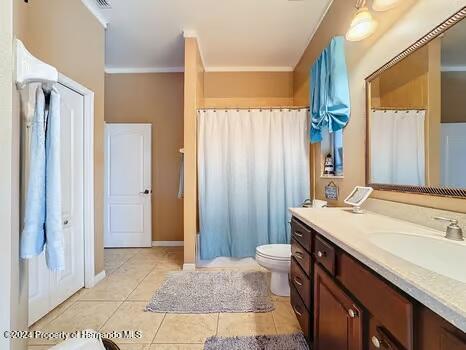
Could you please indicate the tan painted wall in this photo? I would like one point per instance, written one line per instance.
(156, 99)
(66, 35)
(453, 97)
(193, 99)
(397, 29)
(404, 85)
(248, 89)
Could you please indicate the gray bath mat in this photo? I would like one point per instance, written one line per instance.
(211, 292)
(259, 342)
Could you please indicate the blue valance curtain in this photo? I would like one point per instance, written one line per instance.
(330, 99)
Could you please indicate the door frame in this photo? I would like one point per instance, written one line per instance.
(90, 279)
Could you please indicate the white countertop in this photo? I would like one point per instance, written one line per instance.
(351, 232)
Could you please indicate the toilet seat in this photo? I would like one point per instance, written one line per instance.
(278, 252)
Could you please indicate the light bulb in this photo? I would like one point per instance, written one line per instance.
(384, 5)
(362, 25)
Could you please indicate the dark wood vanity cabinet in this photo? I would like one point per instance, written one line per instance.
(338, 320)
(301, 274)
(342, 304)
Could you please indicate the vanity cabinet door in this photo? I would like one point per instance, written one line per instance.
(338, 320)
(434, 333)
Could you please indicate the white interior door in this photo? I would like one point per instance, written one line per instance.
(48, 289)
(453, 155)
(128, 185)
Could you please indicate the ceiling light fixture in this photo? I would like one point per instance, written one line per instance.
(362, 25)
(384, 5)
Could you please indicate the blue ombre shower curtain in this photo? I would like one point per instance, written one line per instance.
(252, 166)
(330, 98)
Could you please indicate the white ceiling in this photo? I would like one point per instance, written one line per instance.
(233, 34)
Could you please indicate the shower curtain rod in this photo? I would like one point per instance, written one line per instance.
(398, 109)
(249, 108)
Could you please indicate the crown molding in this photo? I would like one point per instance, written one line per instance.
(136, 70)
(95, 11)
(249, 69)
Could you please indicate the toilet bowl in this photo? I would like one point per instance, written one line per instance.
(276, 258)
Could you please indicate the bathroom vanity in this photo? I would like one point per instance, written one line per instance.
(351, 289)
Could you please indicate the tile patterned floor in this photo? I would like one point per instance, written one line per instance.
(117, 303)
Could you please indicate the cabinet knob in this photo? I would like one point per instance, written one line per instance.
(299, 255)
(320, 254)
(376, 342)
(296, 311)
(352, 313)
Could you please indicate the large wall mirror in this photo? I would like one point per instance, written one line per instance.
(416, 122)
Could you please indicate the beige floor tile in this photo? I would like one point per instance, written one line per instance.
(245, 324)
(285, 319)
(277, 298)
(121, 251)
(57, 311)
(137, 272)
(146, 289)
(81, 315)
(134, 346)
(186, 329)
(176, 347)
(111, 288)
(131, 316)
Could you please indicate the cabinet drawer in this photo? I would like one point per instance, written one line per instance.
(391, 310)
(380, 338)
(301, 282)
(302, 314)
(324, 254)
(301, 233)
(302, 257)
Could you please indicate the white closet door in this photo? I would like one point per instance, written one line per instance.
(127, 214)
(48, 289)
(67, 282)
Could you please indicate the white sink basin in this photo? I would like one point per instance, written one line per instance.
(439, 255)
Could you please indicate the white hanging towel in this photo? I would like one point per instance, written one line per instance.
(33, 235)
(55, 245)
(43, 212)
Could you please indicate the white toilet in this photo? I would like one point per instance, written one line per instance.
(276, 258)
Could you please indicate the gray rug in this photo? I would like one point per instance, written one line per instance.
(260, 342)
(210, 292)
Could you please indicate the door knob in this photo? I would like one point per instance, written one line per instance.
(145, 192)
(352, 313)
(376, 342)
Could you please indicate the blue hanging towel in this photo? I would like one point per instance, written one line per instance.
(43, 211)
(33, 235)
(55, 242)
(330, 98)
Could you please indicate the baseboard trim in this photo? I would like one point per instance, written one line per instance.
(189, 267)
(167, 243)
(99, 277)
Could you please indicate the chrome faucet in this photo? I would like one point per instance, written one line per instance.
(454, 232)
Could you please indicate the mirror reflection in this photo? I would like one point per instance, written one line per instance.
(417, 116)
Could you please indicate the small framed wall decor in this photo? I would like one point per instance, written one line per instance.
(331, 191)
